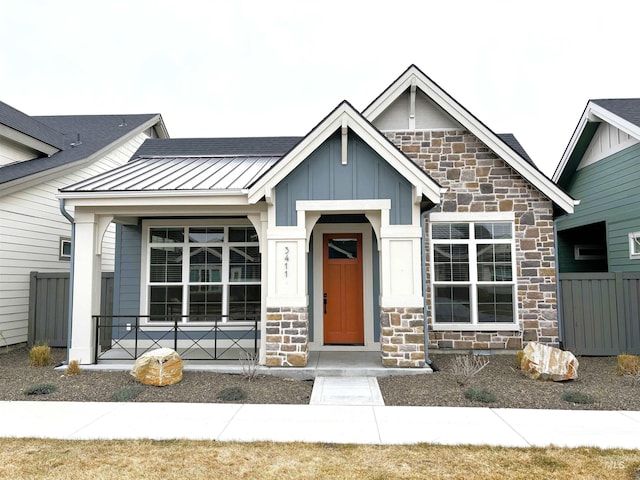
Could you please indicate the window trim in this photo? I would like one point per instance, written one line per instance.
(634, 239)
(145, 269)
(579, 255)
(472, 218)
(61, 255)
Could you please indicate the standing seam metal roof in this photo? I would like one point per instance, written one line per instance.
(179, 173)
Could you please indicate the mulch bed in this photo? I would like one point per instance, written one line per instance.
(597, 381)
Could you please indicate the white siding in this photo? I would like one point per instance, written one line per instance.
(606, 141)
(11, 152)
(30, 229)
(429, 116)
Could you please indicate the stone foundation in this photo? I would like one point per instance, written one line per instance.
(287, 337)
(402, 337)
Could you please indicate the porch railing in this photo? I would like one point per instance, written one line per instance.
(127, 337)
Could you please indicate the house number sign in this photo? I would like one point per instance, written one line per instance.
(286, 262)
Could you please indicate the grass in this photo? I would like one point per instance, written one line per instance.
(40, 356)
(38, 458)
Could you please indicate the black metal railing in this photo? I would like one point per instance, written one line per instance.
(126, 337)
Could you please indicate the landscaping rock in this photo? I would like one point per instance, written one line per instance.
(547, 363)
(158, 367)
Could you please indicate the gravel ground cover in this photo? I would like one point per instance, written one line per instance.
(597, 383)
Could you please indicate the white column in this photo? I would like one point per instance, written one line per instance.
(86, 288)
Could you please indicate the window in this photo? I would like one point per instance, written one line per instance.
(202, 273)
(64, 248)
(473, 278)
(589, 252)
(634, 245)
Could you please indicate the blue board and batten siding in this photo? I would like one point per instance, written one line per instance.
(609, 191)
(322, 176)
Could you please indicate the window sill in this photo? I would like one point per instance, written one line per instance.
(475, 327)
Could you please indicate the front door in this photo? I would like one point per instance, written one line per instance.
(342, 283)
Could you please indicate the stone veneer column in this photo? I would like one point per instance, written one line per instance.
(287, 337)
(402, 337)
(478, 180)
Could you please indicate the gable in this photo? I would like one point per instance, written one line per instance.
(12, 152)
(414, 80)
(347, 121)
(607, 140)
(424, 115)
(323, 176)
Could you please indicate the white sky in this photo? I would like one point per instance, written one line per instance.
(255, 68)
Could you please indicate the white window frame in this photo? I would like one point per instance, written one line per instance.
(472, 218)
(634, 245)
(61, 255)
(147, 225)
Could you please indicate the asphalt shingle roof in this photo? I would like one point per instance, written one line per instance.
(241, 146)
(30, 126)
(95, 133)
(626, 108)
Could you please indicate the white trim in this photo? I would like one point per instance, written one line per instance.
(367, 284)
(475, 126)
(473, 282)
(634, 243)
(185, 224)
(593, 113)
(345, 113)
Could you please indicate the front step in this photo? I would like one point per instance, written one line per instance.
(346, 391)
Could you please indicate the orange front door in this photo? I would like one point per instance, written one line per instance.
(342, 281)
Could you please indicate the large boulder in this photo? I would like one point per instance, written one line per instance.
(548, 363)
(158, 367)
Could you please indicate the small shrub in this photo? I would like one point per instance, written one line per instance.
(40, 389)
(480, 395)
(40, 356)
(465, 367)
(232, 394)
(628, 365)
(73, 368)
(577, 397)
(519, 358)
(126, 394)
(249, 366)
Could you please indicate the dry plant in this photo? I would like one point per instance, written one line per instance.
(465, 367)
(40, 356)
(249, 365)
(73, 368)
(628, 365)
(6, 344)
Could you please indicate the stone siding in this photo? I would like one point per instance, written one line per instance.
(479, 181)
(287, 337)
(402, 337)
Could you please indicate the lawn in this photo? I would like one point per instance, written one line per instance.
(96, 460)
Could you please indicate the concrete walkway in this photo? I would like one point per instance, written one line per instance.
(346, 391)
(321, 423)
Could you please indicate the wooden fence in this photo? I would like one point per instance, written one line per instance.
(600, 313)
(49, 307)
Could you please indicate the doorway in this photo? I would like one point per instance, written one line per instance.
(342, 299)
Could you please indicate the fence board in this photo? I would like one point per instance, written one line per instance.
(600, 312)
(49, 307)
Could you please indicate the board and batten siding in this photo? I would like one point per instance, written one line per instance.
(126, 296)
(609, 191)
(30, 229)
(322, 176)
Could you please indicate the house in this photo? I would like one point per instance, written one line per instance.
(599, 244)
(345, 239)
(39, 155)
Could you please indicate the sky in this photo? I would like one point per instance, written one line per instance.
(263, 68)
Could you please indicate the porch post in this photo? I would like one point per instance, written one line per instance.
(86, 288)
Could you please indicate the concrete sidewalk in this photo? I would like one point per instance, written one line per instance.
(321, 423)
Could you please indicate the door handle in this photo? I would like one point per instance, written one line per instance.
(325, 303)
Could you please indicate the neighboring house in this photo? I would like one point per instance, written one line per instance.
(39, 155)
(322, 237)
(599, 244)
